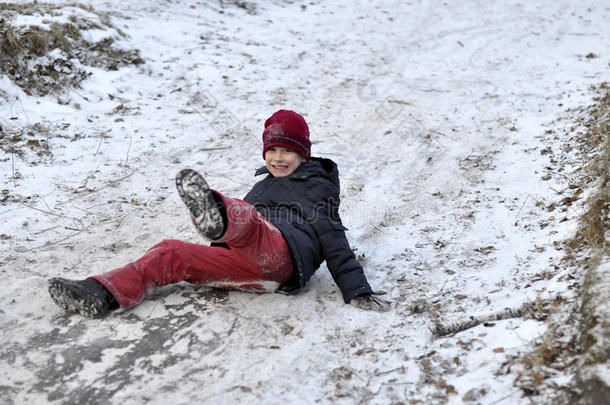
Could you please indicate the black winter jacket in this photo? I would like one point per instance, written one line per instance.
(304, 206)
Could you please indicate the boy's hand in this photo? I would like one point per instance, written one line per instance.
(370, 302)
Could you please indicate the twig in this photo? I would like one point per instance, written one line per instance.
(401, 368)
(45, 203)
(110, 183)
(233, 325)
(69, 236)
(528, 307)
(51, 213)
(46, 230)
(80, 95)
(99, 145)
(400, 102)
(7, 211)
(510, 394)
(106, 217)
(13, 164)
(441, 290)
(24, 112)
(434, 90)
(152, 310)
(114, 182)
(72, 267)
(214, 148)
(128, 149)
(437, 132)
(367, 397)
(56, 242)
(522, 205)
(102, 137)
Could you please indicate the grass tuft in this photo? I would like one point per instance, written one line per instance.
(29, 54)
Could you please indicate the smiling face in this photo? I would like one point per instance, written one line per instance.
(282, 162)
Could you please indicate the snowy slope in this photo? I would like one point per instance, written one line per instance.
(436, 114)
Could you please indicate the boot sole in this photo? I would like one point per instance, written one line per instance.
(199, 200)
(73, 298)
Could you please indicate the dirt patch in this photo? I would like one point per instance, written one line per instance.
(47, 48)
(29, 143)
(248, 6)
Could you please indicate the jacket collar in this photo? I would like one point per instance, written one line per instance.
(313, 167)
(299, 173)
(261, 170)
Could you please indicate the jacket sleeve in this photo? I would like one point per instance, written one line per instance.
(340, 259)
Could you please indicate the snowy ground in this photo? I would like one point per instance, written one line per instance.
(436, 113)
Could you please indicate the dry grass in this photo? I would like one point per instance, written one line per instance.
(593, 236)
(25, 51)
(595, 222)
(576, 337)
(30, 143)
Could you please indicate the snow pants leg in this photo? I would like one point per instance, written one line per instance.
(258, 259)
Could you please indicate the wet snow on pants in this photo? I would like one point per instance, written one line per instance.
(258, 260)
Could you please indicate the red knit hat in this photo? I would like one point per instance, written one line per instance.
(289, 130)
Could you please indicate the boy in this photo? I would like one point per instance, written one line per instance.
(272, 240)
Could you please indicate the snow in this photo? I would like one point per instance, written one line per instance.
(436, 115)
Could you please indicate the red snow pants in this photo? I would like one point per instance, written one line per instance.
(258, 260)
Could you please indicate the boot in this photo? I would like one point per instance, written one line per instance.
(86, 297)
(200, 201)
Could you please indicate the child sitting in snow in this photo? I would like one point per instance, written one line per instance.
(272, 240)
